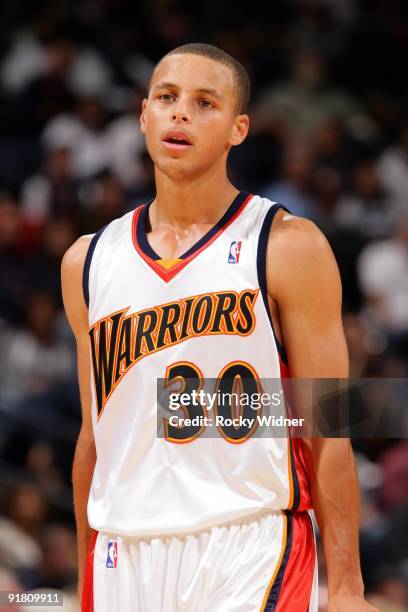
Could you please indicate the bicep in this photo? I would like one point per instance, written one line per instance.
(77, 314)
(308, 293)
(307, 289)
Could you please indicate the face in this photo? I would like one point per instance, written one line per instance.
(189, 118)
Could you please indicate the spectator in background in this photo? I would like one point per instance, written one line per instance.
(104, 200)
(83, 133)
(43, 267)
(299, 106)
(20, 525)
(90, 74)
(333, 150)
(332, 168)
(367, 207)
(126, 143)
(295, 188)
(58, 566)
(28, 59)
(13, 277)
(40, 462)
(25, 60)
(53, 192)
(48, 94)
(383, 277)
(393, 170)
(36, 360)
(394, 489)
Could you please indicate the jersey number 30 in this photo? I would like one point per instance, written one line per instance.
(235, 379)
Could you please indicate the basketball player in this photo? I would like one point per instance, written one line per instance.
(205, 281)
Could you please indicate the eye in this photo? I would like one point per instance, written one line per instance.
(205, 103)
(166, 97)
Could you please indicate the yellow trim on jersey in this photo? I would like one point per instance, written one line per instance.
(167, 264)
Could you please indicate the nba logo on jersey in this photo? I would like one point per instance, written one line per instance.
(112, 558)
(234, 251)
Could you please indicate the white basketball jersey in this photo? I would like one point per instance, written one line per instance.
(202, 314)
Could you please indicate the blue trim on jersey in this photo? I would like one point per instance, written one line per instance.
(87, 264)
(295, 480)
(141, 230)
(229, 213)
(277, 584)
(261, 267)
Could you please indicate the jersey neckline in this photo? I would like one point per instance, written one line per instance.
(165, 270)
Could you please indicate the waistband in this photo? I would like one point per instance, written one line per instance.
(248, 519)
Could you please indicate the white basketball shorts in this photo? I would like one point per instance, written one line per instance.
(265, 563)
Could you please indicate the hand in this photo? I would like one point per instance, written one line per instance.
(350, 603)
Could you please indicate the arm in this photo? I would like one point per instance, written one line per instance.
(85, 455)
(304, 283)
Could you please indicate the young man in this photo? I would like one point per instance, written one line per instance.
(204, 281)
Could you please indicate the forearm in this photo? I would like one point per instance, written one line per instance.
(335, 497)
(82, 472)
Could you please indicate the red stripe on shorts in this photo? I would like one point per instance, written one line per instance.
(87, 604)
(297, 582)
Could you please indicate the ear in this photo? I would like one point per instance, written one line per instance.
(143, 116)
(239, 130)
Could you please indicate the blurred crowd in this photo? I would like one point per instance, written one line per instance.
(329, 139)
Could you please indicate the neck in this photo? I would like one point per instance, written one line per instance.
(185, 202)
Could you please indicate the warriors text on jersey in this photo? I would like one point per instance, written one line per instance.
(203, 314)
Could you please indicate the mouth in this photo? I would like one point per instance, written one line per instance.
(176, 141)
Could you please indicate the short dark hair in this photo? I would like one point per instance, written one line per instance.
(215, 53)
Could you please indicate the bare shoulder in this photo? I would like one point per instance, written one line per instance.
(297, 236)
(72, 266)
(74, 257)
(299, 255)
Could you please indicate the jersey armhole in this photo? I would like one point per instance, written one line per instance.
(87, 264)
(261, 268)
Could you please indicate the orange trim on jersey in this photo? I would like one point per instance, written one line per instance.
(87, 600)
(167, 275)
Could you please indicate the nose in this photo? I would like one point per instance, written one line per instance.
(180, 116)
(180, 113)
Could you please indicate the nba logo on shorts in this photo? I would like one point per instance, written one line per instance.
(112, 558)
(234, 251)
